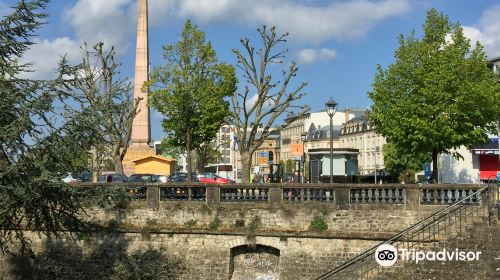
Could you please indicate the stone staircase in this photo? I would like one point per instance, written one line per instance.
(476, 237)
(462, 226)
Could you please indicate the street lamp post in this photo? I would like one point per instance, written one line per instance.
(303, 137)
(331, 109)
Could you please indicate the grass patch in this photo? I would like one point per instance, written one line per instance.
(318, 224)
(215, 223)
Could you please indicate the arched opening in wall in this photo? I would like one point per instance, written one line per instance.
(254, 262)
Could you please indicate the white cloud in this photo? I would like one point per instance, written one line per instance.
(157, 10)
(45, 55)
(305, 20)
(109, 21)
(487, 31)
(308, 56)
(93, 21)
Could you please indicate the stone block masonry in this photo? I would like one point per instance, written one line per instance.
(204, 256)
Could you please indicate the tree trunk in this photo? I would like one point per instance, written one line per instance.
(202, 159)
(246, 161)
(434, 175)
(188, 157)
(117, 161)
(95, 166)
(117, 157)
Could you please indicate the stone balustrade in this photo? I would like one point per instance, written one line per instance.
(342, 195)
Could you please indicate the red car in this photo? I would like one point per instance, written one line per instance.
(211, 178)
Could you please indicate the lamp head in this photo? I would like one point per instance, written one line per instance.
(331, 107)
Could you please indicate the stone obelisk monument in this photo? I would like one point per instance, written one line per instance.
(141, 133)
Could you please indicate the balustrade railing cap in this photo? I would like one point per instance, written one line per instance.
(283, 185)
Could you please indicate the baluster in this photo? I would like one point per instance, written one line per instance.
(264, 194)
(460, 195)
(357, 195)
(436, 196)
(393, 195)
(361, 196)
(352, 197)
(401, 195)
(433, 199)
(257, 194)
(453, 196)
(373, 196)
(321, 197)
(301, 194)
(468, 200)
(380, 195)
(447, 196)
(328, 195)
(307, 193)
(367, 195)
(387, 196)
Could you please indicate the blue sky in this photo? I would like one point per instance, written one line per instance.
(337, 44)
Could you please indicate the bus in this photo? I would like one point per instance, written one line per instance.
(222, 170)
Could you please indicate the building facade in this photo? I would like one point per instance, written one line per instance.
(291, 135)
(317, 151)
(359, 134)
(267, 154)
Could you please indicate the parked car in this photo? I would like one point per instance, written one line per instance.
(163, 178)
(181, 192)
(68, 178)
(113, 177)
(143, 178)
(180, 177)
(211, 178)
(140, 192)
(85, 176)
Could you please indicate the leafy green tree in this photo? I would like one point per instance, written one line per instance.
(438, 95)
(289, 166)
(263, 100)
(38, 140)
(189, 90)
(398, 161)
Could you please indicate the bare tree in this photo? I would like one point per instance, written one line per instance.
(272, 98)
(98, 88)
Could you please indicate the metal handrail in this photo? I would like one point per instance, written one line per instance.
(434, 217)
